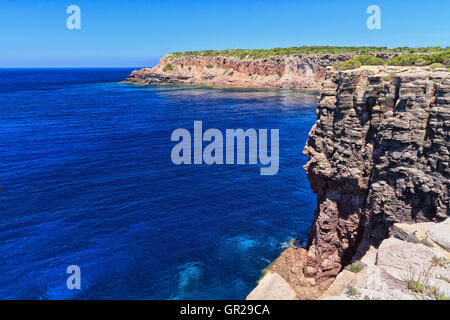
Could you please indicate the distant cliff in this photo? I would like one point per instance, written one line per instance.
(293, 71)
(379, 154)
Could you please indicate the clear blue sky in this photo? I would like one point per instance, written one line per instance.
(137, 33)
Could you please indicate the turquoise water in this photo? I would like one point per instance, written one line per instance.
(87, 180)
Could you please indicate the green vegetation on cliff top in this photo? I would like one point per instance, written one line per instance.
(265, 53)
(421, 59)
(434, 60)
(358, 61)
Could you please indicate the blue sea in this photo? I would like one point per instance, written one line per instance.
(87, 180)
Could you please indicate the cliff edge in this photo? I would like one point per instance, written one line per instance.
(379, 154)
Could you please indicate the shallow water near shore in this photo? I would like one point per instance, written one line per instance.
(87, 180)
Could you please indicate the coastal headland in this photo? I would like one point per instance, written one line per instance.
(287, 68)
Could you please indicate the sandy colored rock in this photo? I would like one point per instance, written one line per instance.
(272, 287)
(370, 258)
(440, 233)
(375, 278)
(406, 255)
(342, 281)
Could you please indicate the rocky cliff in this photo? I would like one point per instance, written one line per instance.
(290, 71)
(379, 154)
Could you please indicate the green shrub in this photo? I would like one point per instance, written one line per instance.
(209, 66)
(347, 65)
(369, 60)
(355, 267)
(436, 65)
(446, 62)
(167, 67)
(420, 59)
(441, 262)
(403, 60)
(358, 61)
(414, 285)
(189, 68)
(352, 292)
(231, 73)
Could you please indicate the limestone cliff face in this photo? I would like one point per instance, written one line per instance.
(291, 71)
(379, 154)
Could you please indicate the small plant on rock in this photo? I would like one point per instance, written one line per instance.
(420, 284)
(167, 67)
(352, 292)
(355, 267)
(441, 262)
(414, 285)
(435, 294)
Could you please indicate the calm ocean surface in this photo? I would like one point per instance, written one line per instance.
(87, 180)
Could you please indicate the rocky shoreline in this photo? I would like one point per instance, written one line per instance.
(379, 156)
(288, 72)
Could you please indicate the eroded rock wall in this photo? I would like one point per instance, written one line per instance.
(379, 154)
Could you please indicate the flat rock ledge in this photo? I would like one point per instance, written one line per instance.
(272, 287)
(413, 264)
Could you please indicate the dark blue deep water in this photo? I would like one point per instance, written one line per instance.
(87, 180)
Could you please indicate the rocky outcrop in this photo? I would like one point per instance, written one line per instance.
(410, 265)
(378, 154)
(290, 71)
(379, 162)
(272, 287)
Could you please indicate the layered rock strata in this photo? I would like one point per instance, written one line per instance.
(290, 71)
(379, 154)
